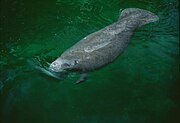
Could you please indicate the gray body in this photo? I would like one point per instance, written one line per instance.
(103, 46)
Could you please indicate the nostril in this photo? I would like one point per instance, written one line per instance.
(54, 63)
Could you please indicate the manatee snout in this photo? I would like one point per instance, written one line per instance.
(61, 65)
(55, 67)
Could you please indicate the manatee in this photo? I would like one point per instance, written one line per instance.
(104, 46)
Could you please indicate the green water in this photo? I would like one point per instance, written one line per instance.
(141, 86)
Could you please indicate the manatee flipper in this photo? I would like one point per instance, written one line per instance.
(143, 16)
(83, 77)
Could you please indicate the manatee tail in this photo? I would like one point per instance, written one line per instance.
(142, 16)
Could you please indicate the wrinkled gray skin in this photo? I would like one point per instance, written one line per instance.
(102, 47)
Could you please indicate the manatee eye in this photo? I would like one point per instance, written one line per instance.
(75, 62)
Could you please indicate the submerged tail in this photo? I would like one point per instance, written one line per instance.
(142, 16)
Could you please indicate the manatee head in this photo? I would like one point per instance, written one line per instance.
(60, 65)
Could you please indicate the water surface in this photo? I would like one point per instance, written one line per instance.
(141, 86)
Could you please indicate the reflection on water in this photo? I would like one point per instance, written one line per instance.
(137, 87)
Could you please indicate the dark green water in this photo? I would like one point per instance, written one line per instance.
(141, 86)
